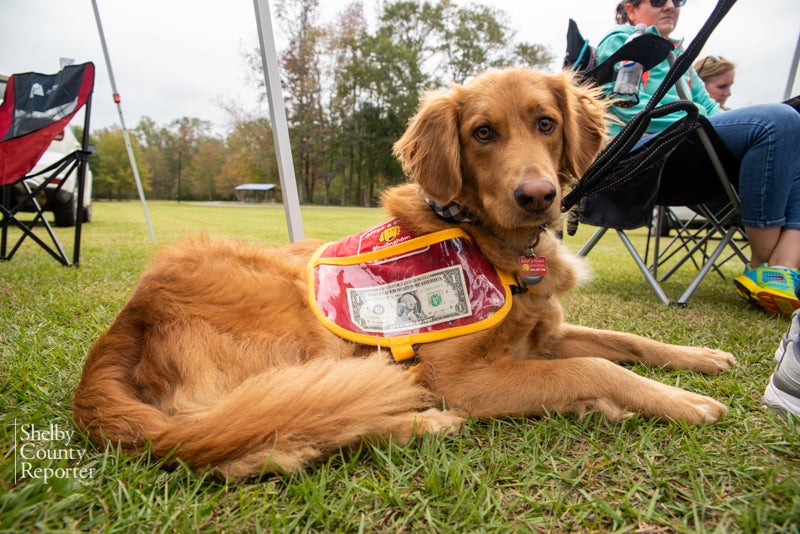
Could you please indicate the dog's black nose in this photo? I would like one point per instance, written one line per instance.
(535, 195)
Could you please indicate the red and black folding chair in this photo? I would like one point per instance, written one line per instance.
(36, 109)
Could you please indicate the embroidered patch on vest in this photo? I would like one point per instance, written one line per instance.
(387, 287)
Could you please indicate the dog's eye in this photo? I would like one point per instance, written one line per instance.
(484, 134)
(546, 125)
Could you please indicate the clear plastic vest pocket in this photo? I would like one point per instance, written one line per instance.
(388, 288)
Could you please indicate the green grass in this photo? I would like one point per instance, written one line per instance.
(557, 474)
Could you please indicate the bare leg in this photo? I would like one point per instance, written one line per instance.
(774, 246)
(787, 250)
(762, 244)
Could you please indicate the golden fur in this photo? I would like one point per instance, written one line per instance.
(217, 356)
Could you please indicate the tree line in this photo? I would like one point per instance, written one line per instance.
(349, 91)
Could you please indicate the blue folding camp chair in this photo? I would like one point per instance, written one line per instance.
(686, 165)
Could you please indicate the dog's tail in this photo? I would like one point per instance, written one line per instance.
(273, 421)
(106, 403)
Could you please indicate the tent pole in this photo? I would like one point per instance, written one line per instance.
(125, 135)
(277, 112)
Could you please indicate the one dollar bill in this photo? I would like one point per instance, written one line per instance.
(425, 300)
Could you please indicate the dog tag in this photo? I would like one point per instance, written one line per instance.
(532, 269)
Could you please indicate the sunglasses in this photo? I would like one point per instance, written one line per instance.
(710, 60)
(660, 3)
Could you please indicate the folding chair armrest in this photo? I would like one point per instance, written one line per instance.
(648, 49)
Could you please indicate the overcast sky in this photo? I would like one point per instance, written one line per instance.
(183, 58)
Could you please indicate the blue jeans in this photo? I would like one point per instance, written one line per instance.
(766, 138)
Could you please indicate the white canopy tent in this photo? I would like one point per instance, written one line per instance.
(269, 58)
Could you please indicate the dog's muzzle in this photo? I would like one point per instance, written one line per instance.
(535, 196)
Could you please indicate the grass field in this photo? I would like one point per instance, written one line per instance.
(557, 474)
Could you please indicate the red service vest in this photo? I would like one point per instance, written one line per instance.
(387, 287)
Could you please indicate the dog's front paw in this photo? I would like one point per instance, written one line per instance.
(696, 409)
(707, 410)
(712, 361)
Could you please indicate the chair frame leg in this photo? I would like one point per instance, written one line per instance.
(712, 260)
(56, 251)
(75, 162)
(648, 276)
(589, 245)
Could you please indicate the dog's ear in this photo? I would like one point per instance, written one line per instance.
(585, 127)
(429, 150)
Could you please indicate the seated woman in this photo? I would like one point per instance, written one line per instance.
(717, 74)
(764, 138)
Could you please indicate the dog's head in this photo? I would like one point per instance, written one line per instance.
(505, 145)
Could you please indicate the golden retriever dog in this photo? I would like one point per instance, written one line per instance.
(218, 358)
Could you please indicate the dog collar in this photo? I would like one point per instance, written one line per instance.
(452, 211)
(532, 268)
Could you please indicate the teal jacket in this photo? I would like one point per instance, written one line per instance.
(650, 81)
